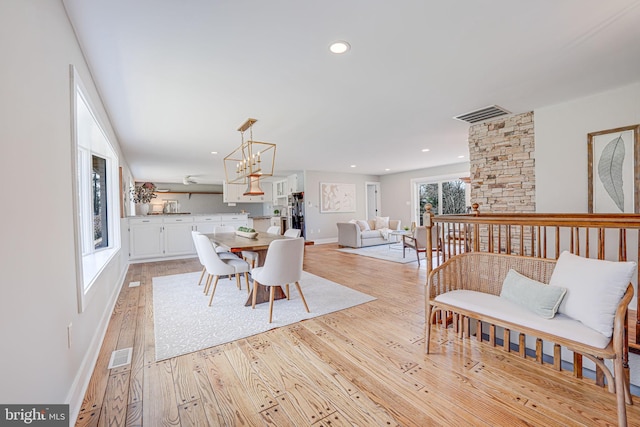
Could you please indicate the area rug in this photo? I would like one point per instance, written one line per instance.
(388, 253)
(184, 322)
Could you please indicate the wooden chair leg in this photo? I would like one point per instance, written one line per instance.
(427, 331)
(287, 292)
(204, 270)
(272, 295)
(418, 255)
(238, 282)
(213, 291)
(302, 296)
(246, 280)
(620, 391)
(207, 285)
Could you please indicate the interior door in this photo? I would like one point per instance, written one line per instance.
(373, 199)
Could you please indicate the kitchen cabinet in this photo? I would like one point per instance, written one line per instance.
(168, 236)
(295, 184)
(206, 224)
(234, 193)
(280, 193)
(145, 238)
(177, 236)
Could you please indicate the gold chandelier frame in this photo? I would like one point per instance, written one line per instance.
(249, 162)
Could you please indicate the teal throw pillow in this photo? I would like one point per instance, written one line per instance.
(537, 297)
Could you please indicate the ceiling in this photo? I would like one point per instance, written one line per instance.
(178, 78)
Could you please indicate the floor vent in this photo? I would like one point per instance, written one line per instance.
(120, 358)
(134, 284)
(482, 114)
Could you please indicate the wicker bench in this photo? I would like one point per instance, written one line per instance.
(468, 286)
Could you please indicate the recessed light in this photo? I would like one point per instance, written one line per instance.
(461, 157)
(339, 47)
(214, 152)
(387, 170)
(424, 150)
(353, 166)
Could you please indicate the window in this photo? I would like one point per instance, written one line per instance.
(99, 198)
(450, 196)
(95, 193)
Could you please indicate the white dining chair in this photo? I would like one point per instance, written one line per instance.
(283, 265)
(217, 266)
(196, 244)
(252, 257)
(293, 232)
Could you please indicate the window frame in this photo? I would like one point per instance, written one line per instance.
(415, 192)
(91, 261)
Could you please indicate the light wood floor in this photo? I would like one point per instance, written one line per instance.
(362, 366)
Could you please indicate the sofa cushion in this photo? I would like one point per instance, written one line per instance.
(536, 297)
(370, 234)
(594, 289)
(364, 225)
(502, 309)
(382, 222)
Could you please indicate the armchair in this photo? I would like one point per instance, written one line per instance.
(418, 242)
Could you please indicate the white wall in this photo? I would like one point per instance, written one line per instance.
(396, 188)
(322, 226)
(38, 287)
(561, 144)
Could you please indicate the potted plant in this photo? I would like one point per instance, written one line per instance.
(142, 195)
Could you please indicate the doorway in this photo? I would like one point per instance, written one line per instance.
(372, 196)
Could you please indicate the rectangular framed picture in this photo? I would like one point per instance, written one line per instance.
(613, 169)
(337, 197)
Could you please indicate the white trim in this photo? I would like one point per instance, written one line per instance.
(85, 277)
(429, 180)
(366, 198)
(81, 381)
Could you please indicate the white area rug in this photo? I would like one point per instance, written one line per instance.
(386, 252)
(184, 322)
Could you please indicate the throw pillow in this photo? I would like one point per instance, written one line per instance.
(364, 225)
(594, 289)
(537, 297)
(382, 222)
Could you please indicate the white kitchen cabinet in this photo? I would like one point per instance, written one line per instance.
(234, 193)
(280, 193)
(146, 238)
(177, 236)
(168, 236)
(235, 221)
(206, 224)
(295, 184)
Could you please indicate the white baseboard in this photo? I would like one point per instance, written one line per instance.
(83, 377)
(325, 241)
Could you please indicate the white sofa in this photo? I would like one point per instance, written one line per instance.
(351, 235)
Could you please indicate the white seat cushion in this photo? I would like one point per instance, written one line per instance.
(371, 234)
(500, 308)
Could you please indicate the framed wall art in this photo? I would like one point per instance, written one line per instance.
(613, 170)
(337, 197)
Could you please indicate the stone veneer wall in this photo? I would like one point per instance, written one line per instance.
(502, 157)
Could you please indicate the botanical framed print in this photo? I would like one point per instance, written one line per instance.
(337, 197)
(613, 168)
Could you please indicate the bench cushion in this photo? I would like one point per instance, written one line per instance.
(500, 308)
(537, 297)
(594, 289)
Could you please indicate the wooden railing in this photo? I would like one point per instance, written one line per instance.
(602, 236)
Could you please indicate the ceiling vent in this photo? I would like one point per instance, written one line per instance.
(483, 114)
